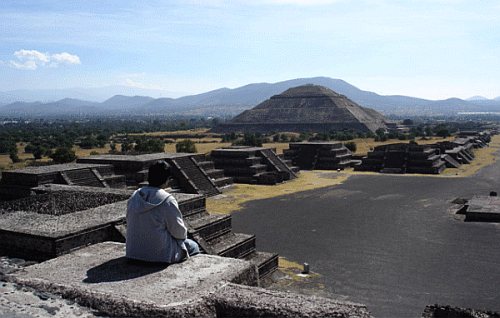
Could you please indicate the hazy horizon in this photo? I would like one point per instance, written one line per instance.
(428, 49)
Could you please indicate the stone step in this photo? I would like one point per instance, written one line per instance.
(268, 177)
(295, 169)
(266, 263)
(206, 165)
(211, 226)
(222, 182)
(236, 245)
(194, 177)
(190, 206)
(215, 173)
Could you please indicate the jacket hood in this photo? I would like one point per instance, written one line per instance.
(147, 198)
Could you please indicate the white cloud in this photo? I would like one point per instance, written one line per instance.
(65, 58)
(33, 59)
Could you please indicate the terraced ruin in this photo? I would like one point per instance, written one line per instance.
(255, 165)
(309, 108)
(319, 155)
(424, 159)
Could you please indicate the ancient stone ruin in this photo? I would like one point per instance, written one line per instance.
(70, 218)
(319, 155)
(19, 183)
(426, 159)
(255, 165)
(481, 208)
(457, 151)
(309, 108)
(59, 218)
(192, 173)
(403, 158)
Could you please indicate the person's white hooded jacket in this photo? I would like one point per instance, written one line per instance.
(155, 229)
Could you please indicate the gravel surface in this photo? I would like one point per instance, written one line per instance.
(61, 202)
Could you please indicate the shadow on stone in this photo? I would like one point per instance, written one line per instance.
(120, 269)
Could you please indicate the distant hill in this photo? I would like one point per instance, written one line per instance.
(230, 102)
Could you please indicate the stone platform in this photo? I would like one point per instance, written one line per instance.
(101, 277)
(191, 172)
(203, 286)
(254, 165)
(69, 217)
(319, 155)
(61, 218)
(19, 183)
(483, 208)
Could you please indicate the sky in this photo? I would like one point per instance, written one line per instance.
(432, 49)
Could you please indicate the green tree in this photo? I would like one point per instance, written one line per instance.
(88, 142)
(7, 145)
(126, 146)
(443, 132)
(186, 145)
(38, 152)
(13, 155)
(149, 145)
(63, 155)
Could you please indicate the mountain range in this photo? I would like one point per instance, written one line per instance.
(227, 102)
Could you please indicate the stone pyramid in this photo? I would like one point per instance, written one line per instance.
(306, 108)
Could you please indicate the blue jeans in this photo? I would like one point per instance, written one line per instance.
(192, 247)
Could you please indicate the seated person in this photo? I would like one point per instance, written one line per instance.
(155, 229)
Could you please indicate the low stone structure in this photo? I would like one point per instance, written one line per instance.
(482, 209)
(192, 172)
(403, 158)
(257, 165)
(19, 183)
(479, 138)
(203, 286)
(459, 153)
(319, 155)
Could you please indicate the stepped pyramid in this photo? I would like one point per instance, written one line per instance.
(306, 108)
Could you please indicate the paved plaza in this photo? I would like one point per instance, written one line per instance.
(390, 242)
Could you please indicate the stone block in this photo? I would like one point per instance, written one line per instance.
(101, 277)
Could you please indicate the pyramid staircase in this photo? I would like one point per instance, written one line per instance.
(192, 177)
(216, 175)
(319, 155)
(213, 232)
(84, 177)
(450, 162)
(254, 165)
(272, 159)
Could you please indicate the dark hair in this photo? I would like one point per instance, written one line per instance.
(158, 173)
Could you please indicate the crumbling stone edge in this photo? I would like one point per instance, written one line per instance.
(225, 300)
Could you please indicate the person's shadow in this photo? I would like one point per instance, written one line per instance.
(121, 268)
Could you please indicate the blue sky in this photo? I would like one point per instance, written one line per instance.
(426, 48)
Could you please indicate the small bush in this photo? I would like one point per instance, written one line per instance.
(63, 155)
(186, 145)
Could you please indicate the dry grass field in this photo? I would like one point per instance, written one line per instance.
(233, 198)
(200, 131)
